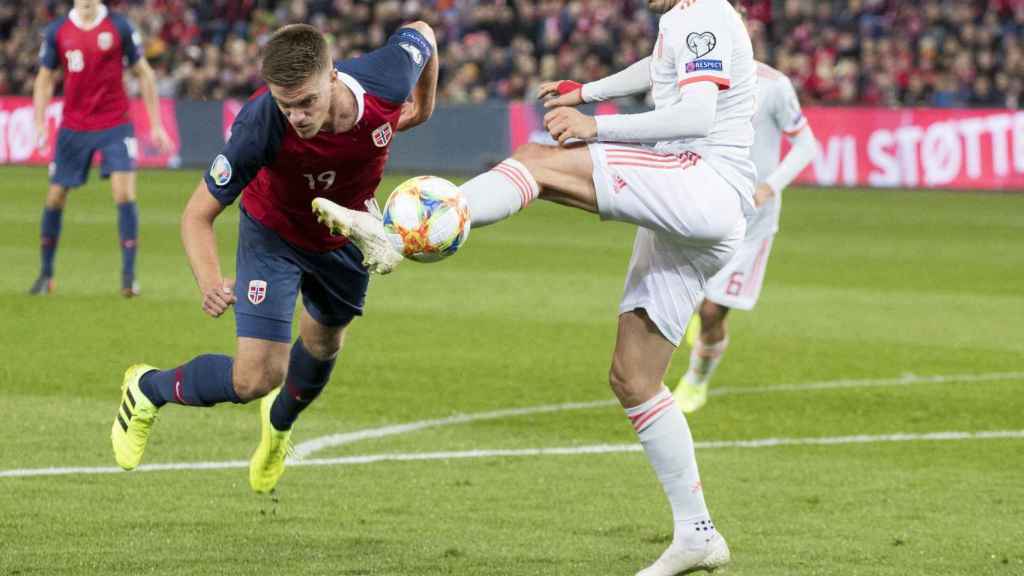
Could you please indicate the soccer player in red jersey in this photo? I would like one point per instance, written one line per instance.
(92, 46)
(319, 130)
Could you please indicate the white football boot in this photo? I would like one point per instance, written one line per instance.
(364, 229)
(681, 558)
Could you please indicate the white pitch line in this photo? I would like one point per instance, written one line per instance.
(309, 447)
(304, 449)
(905, 380)
(525, 452)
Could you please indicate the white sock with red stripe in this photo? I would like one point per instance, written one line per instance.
(704, 358)
(666, 439)
(504, 190)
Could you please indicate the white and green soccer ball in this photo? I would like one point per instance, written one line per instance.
(427, 218)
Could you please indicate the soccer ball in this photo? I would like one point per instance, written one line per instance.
(427, 218)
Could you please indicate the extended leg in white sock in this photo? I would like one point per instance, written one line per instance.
(499, 193)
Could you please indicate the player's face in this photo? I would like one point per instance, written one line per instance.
(661, 6)
(88, 6)
(307, 105)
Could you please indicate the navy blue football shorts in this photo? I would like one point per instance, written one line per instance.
(75, 150)
(270, 273)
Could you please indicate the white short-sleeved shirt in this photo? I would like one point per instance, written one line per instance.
(706, 40)
(778, 114)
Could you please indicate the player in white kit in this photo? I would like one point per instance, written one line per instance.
(682, 173)
(738, 285)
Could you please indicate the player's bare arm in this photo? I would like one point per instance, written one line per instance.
(200, 241)
(147, 86)
(42, 93)
(419, 109)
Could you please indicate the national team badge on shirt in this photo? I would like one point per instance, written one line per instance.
(382, 135)
(105, 40)
(257, 291)
(701, 44)
(220, 171)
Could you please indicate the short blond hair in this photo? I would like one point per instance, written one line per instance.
(293, 55)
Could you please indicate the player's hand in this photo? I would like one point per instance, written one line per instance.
(561, 93)
(565, 123)
(218, 297)
(162, 140)
(407, 118)
(42, 134)
(762, 194)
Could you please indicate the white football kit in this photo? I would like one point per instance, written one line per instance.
(738, 285)
(689, 196)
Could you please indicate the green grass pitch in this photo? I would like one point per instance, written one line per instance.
(868, 294)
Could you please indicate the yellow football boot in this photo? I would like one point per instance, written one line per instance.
(267, 462)
(134, 419)
(690, 397)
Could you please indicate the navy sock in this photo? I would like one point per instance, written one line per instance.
(128, 230)
(307, 377)
(49, 235)
(203, 381)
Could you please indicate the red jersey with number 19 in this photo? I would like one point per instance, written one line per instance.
(278, 173)
(93, 58)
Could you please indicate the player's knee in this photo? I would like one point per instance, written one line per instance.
(123, 193)
(627, 388)
(252, 382)
(56, 197)
(124, 196)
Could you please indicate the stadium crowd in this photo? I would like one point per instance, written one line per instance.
(940, 53)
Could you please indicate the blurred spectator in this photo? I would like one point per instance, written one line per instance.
(866, 52)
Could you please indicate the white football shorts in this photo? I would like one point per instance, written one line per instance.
(738, 285)
(691, 222)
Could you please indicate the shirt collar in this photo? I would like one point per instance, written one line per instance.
(357, 90)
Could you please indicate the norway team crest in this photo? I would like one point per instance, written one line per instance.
(382, 135)
(257, 291)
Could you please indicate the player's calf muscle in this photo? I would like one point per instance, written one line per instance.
(325, 347)
(56, 196)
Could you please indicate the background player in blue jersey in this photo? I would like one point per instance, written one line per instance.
(319, 131)
(93, 46)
